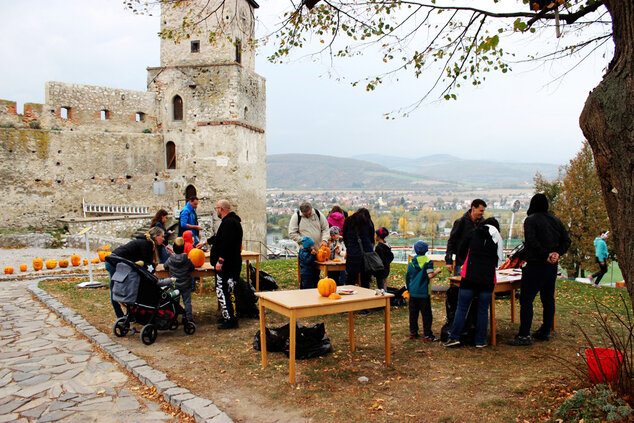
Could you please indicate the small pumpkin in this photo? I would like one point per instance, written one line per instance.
(63, 263)
(336, 259)
(95, 260)
(405, 294)
(38, 263)
(334, 296)
(75, 260)
(326, 287)
(51, 264)
(8, 270)
(23, 268)
(102, 255)
(197, 256)
(323, 253)
(85, 262)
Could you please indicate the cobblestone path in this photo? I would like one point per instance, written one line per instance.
(49, 373)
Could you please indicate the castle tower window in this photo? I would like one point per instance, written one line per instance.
(105, 114)
(246, 112)
(177, 107)
(238, 51)
(139, 117)
(170, 155)
(64, 112)
(195, 46)
(190, 192)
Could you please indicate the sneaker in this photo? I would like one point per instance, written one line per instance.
(540, 336)
(590, 278)
(228, 324)
(481, 345)
(430, 338)
(521, 341)
(414, 336)
(451, 343)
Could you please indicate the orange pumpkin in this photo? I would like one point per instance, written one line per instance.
(102, 255)
(326, 287)
(23, 268)
(75, 260)
(334, 296)
(323, 253)
(406, 294)
(38, 264)
(85, 262)
(63, 263)
(8, 270)
(197, 256)
(51, 264)
(95, 260)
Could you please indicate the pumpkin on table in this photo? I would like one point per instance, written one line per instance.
(197, 256)
(326, 287)
(323, 254)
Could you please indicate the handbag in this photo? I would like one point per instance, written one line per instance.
(371, 260)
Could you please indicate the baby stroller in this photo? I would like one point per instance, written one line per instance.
(149, 301)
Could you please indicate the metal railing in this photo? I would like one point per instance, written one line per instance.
(112, 209)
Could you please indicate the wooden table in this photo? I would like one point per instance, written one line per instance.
(206, 270)
(325, 267)
(296, 304)
(506, 282)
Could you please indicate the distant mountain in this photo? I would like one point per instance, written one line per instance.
(449, 168)
(313, 171)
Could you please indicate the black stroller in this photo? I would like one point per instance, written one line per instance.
(149, 301)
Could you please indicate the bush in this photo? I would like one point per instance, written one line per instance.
(147, 131)
(596, 404)
(34, 125)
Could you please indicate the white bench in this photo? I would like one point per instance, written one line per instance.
(112, 209)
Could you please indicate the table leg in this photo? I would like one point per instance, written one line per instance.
(291, 349)
(512, 306)
(493, 340)
(248, 272)
(351, 330)
(388, 336)
(265, 360)
(257, 273)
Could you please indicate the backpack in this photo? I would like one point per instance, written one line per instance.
(514, 261)
(299, 216)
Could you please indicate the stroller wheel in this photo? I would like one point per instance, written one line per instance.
(148, 334)
(121, 327)
(189, 328)
(174, 324)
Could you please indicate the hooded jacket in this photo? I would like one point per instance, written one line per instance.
(227, 243)
(543, 232)
(417, 276)
(483, 251)
(600, 249)
(336, 219)
(139, 249)
(180, 267)
(461, 228)
(189, 241)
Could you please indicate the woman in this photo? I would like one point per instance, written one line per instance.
(144, 248)
(336, 217)
(483, 249)
(601, 255)
(358, 237)
(158, 221)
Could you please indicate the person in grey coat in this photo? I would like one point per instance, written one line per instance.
(180, 267)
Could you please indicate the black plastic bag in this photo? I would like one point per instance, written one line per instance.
(246, 300)
(467, 337)
(267, 282)
(397, 300)
(276, 339)
(311, 341)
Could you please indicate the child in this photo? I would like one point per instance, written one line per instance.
(337, 251)
(419, 272)
(309, 274)
(384, 251)
(180, 267)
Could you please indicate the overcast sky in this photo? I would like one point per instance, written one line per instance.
(512, 117)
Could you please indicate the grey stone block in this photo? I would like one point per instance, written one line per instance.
(177, 400)
(135, 363)
(171, 392)
(191, 405)
(165, 385)
(220, 418)
(202, 414)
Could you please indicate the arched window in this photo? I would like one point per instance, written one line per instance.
(190, 192)
(170, 155)
(177, 107)
(246, 113)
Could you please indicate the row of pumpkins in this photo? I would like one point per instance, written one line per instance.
(75, 260)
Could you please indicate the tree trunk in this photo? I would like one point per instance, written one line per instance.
(607, 121)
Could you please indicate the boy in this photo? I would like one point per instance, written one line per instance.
(180, 267)
(384, 251)
(419, 272)
(309, 274)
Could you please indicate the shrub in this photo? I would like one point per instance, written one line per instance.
(147, 131)
(34, 125)
(596, 404)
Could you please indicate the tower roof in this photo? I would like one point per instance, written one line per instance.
(254, 4)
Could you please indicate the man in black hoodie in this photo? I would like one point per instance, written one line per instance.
(461, 228)
(545, 240)
(225, 256)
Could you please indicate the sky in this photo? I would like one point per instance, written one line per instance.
(522, 116)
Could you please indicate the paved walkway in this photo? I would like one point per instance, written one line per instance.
(49, 373)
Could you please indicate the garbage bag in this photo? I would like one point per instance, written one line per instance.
(397, 300)
(246, 300)
(276, 339)
(267, 282)
(311, 341)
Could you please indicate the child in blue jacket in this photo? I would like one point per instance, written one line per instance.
(420, 270)
(308, 272)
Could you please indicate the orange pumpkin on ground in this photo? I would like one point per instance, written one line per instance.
(102, 255)
(334, 296)
(75, 260)
(51, 264)
(8, 270)
(85, 262)
(197, 256)
(63, 263)
(38, 264)
(95, 260)
(23, 268)
(323, 254)
(326, 287)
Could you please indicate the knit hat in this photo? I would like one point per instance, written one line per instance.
(335, 230)
(420, 247)
(382, 232)
(539, 204)
(307, 242)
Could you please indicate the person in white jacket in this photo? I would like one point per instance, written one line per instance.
(309, 222)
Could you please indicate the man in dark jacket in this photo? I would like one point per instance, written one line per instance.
(225, 256)
(461, 228)
(545, 240)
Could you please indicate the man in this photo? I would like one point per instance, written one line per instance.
(225, 257)
(461, 228)
(188, 220)
(310, 223)
(545, 240)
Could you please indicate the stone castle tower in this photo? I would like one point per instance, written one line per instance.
(201, 124)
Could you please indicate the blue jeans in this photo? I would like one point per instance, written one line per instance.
(118, 311)
(465, 296)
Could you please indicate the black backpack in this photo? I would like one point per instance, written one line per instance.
(299, 216)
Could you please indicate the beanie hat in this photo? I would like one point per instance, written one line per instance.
(307, 242)
(382, 232)
(539, 204)
(335, 230)
(420, 247)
